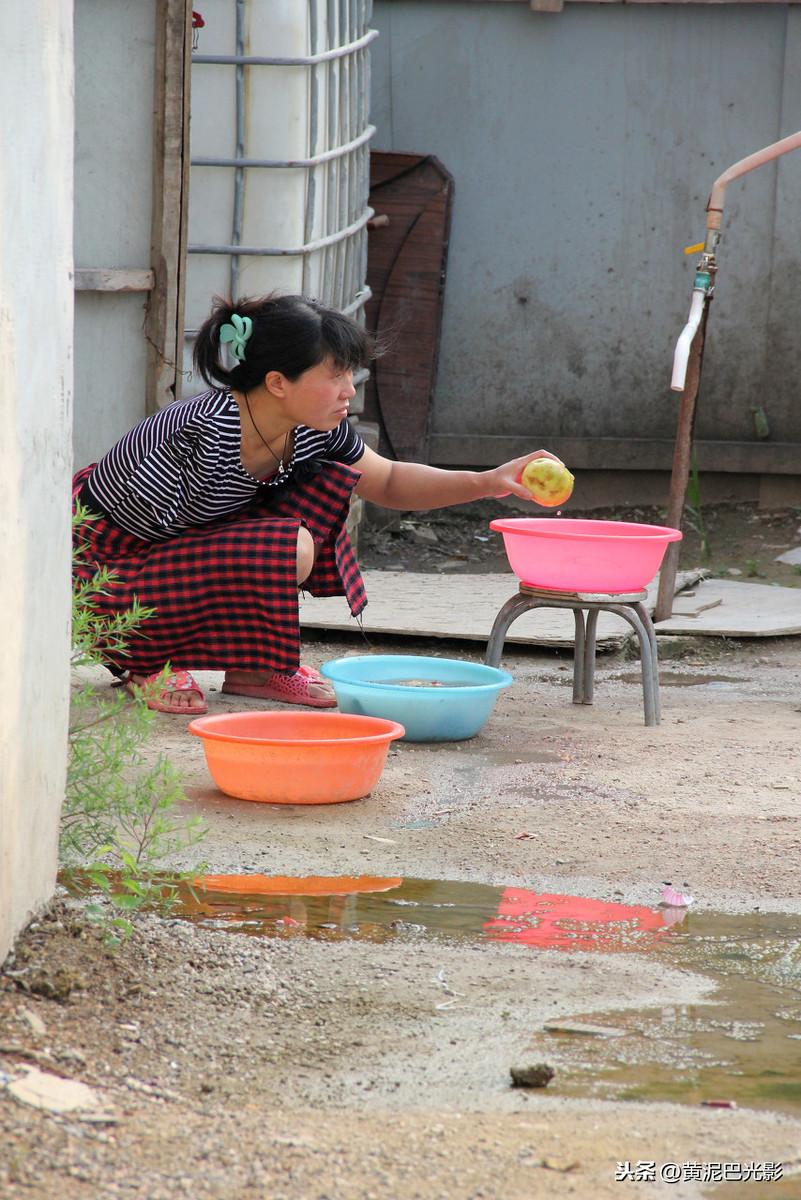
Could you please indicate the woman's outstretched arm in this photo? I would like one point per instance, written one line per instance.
(409, 486)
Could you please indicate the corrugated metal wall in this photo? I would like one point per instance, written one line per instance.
(583, 145)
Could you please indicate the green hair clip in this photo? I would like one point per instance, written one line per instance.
(237, 333)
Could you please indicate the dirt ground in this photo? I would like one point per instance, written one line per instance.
(298, 1068)
(728, 540)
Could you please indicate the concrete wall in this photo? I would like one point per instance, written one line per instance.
(115, 45)
(35, 458)
(583, 145)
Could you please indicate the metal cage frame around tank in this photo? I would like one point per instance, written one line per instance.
(345, 71)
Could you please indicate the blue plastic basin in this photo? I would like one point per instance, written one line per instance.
(369, 684)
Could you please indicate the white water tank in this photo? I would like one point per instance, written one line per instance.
(280, 172)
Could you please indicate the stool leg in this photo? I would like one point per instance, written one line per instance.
(649, 681)
(645, 617)
(589, 656)
(510, 612)
(578, 659)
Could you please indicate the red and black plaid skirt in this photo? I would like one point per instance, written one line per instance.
(226, 594)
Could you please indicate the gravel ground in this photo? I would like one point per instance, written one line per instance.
(233, 1067)
(737, 540)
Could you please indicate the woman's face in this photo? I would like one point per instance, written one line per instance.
(320, 397)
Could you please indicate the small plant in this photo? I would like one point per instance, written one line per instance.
(694, 516)
(119, 818)
(752, 569)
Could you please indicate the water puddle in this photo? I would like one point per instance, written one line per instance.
(744, 1047)
(678, 679)
(372, 909)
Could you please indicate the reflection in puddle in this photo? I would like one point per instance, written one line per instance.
(366, 908)
(574, 922)
(679, 679)
(744, 1046)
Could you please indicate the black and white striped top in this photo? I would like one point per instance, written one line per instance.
(182, 467)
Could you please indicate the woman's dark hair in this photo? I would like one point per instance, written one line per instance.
(290, 334)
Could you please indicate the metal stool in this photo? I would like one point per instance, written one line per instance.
(628, 605)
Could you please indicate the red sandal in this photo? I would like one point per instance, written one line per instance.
(288, 689)
(157, 686)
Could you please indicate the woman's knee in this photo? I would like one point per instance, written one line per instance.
(305, 554)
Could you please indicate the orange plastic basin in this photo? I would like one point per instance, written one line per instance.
(293, 757)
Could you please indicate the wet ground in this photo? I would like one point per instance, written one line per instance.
(745, 1048)
(318, 1047)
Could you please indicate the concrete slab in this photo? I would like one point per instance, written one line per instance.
(727, 608)
(459, 606)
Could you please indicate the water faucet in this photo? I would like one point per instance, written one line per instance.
(703, 286)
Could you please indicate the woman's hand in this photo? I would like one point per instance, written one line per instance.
(505, 480)
(413, 487)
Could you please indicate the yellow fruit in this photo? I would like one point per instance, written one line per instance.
(549, 482)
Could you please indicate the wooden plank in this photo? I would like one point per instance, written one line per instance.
(406, 274)
(164, 320)
(630, 454)
(113, 279)
(462, 607)
(732, 609)
(409, 604)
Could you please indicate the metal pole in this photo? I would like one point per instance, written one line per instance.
(257, 60)
(311, 178)
(324, 156)
(239, 172)
(682, 454)
(331, 240)
(332, 100)
(684, 435)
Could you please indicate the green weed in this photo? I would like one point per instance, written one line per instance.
(120, 818)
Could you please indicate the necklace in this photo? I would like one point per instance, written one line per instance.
(280, 460)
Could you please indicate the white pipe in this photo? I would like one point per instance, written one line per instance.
(681, 354)
(714, 217)
(767, 154)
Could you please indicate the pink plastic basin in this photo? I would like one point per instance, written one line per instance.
(584, 556)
